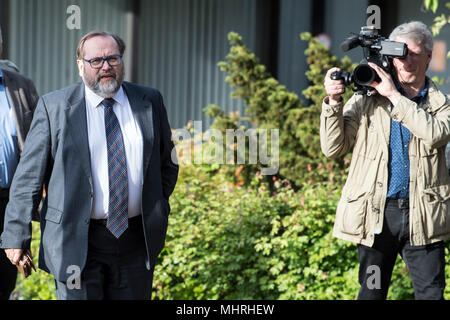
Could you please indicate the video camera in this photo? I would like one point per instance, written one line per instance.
(377, 50)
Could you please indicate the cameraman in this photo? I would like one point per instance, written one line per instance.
(397, 196)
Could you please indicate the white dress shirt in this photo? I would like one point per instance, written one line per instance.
(132, 138)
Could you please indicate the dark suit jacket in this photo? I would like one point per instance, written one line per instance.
(57, 154)
(23, 98)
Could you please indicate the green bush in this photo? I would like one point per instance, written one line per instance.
(230, 242)
(271, 106)
(227, 241)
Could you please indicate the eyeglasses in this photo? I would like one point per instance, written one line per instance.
(97, 63)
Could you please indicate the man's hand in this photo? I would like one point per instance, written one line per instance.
(386, 86)
(334, 88)
(14, 255)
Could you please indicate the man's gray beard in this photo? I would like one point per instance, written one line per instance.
(107, 89)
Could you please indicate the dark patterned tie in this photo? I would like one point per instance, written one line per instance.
(117, 221)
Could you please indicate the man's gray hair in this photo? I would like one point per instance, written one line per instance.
(416, 31)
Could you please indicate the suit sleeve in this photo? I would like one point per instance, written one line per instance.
(169, 162)
(26, 187)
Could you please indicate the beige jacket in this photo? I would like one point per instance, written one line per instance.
(363, 126)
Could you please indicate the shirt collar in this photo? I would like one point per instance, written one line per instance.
(424, 92)
(96, 100)
(419, 98)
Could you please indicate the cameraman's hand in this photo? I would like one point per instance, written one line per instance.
(386, 86)
(333, 88)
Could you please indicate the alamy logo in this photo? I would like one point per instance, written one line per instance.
(74, 20)
(374, 20)
(74, 280)
(213, 147)
(374, 281)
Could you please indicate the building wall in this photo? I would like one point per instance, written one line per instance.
(337, 19)
(44, 48)
(178, 43)
(341, 19)
(295, 19)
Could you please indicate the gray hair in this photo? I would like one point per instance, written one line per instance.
(416, 31)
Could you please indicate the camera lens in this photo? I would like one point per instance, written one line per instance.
(364, 75)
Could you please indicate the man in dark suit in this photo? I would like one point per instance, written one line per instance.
(18, 99)
(103, 150)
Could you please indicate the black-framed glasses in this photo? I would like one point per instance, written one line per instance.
(97, 63)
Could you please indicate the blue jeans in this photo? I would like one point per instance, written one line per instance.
(426, 264)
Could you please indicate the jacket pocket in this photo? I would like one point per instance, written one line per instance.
(425, 151)
(353, 208)
(437, 210)
(53, 215)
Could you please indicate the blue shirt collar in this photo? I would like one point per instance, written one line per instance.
(421, 96)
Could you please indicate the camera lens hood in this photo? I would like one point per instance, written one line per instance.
(364, 75)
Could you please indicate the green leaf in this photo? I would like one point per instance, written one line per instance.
(434, 5)
(438, 80)
(431, 5)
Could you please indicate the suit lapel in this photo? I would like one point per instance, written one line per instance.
(142, 109)
(77, 128)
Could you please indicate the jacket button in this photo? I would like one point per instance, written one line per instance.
(380, 184)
